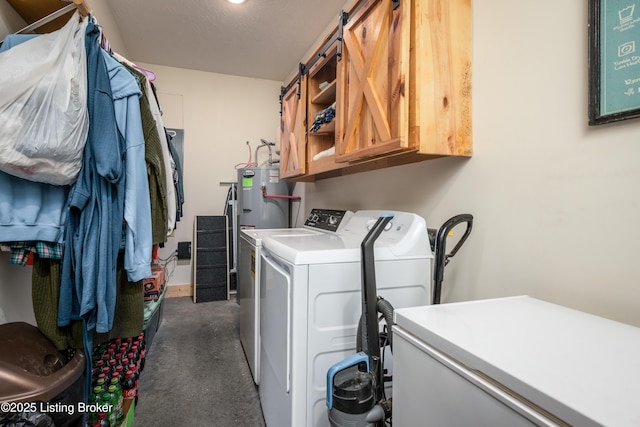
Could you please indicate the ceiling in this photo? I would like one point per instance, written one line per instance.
(261, 38)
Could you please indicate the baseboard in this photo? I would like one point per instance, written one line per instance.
(174, 291)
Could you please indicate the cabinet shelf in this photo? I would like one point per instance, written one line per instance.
(325, 129)
(326, 96)
(324, 164)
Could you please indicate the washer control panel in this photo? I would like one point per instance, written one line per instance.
(327, 219)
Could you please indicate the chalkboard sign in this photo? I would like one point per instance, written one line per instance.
(614, 60)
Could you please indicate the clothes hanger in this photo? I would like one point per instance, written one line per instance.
(151, 76)
(83, 7)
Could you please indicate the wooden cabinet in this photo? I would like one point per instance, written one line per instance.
(293, 129)
(400, 75)
(373, 98)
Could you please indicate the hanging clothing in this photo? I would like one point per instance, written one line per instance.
(76, 297)
(22, 251)
(159, 126)
(129, 314)
(14, 40)
(177, 177)
(45, 296)
(154, 158)
(96, 208)
(137, 209)
(30, 210)
(166, 155)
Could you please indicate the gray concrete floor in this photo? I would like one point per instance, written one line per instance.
(196, 373)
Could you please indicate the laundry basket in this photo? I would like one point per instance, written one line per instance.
(32, 370)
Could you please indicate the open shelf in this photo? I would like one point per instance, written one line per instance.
(326, 95)
(325, 129)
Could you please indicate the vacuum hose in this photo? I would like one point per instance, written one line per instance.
(386, 309)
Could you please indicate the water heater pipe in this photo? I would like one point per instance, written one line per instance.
(277, 196)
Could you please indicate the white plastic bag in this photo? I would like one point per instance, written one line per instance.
(43, 105)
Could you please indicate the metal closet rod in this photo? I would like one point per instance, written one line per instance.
(81, 5)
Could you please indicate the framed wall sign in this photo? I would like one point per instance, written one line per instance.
(614, 60)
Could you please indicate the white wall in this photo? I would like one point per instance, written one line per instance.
(556, 203)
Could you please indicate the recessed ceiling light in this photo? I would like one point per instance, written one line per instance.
(236, 1)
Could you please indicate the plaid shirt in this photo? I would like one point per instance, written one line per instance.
(20, 251)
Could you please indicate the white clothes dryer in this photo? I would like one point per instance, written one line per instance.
(310, 306)
(250, 247)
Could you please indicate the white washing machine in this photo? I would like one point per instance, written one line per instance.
(248, 274)
(310, 306)
(514, 361)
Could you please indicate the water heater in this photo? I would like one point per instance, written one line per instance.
(258, 204)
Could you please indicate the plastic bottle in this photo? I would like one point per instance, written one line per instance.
(117, 391)
(133, 368)
(107, 373)
(97, 393)
(110, 398)
(112, 365)
(136, 375)
(101, 376)
(101, 385)
(129, 386)
(92, 417)
(98, 390)
(143, 352)
(119, 370)
(103, 420)
(136, 354)
(98, 365)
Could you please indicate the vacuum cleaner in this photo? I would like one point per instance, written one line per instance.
(355, 386)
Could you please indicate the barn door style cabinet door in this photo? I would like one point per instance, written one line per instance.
(293, 129)
(373, 103)
(440, 87)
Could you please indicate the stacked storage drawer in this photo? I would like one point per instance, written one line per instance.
(211, 259)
